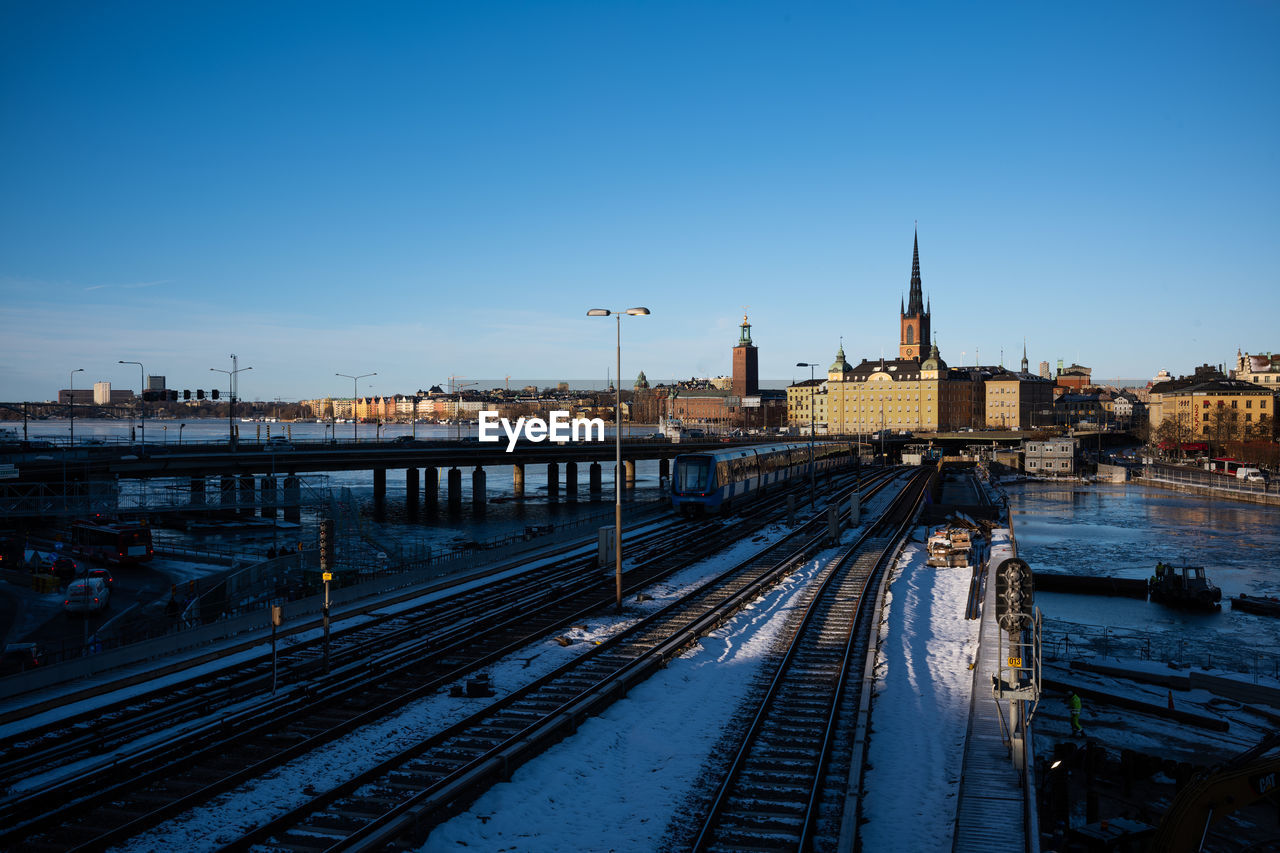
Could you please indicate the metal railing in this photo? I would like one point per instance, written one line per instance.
(1068, 641)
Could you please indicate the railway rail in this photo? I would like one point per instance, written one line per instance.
(377, 669)
(782, 789)
(403, 797)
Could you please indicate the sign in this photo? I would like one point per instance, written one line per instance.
(8, 472)
(750, 402)
(326, 577)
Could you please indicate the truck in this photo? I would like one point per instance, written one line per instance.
(1252, 475)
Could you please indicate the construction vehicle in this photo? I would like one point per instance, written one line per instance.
(1183, 586)
(1215, 793)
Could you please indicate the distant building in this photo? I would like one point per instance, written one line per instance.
(746, 363)
(806, 397)
(1076, 376)
(1044, 370)
(102, 393)
(1261, 370)
(81, 396)
(1017, 400)
(1054, 457)
(155, 383)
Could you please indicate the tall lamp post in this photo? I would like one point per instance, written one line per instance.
(617, 471)
(355, 395)
(813, 474)
(232, 384)
(142, 398)
(71, 389)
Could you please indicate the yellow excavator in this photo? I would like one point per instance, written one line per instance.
(1215, 793)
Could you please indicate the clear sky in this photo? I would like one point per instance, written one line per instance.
(426, 189)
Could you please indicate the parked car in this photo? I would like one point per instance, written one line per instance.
(87, 595)
(20, 657)
(64, 568)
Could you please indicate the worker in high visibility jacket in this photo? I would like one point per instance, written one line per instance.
(1075, 704)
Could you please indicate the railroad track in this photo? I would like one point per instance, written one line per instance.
(376, 670)
(782, 791)
(405, 795)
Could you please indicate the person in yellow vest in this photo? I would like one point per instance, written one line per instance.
(1074, 703)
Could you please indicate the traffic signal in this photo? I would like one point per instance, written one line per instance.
(199, 393)
(214, 393)
(326, 544)
(186, 393)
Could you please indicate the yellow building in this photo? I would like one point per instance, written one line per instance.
(902, 394)
(801, 398)
(1222, 410)
(1013, 399)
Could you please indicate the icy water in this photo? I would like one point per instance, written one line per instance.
(1123, 531)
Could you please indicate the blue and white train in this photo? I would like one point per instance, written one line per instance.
(709, 482)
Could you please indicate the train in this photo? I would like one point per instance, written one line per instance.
(711, 482)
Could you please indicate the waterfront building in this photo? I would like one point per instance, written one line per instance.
(740, 404)
(155, 383)
(1054, 457)
(1221, 410)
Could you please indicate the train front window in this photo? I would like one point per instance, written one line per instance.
(692, 474)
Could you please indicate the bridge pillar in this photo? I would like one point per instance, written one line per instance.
(379, 493)
(664, 469)
(553, 481)
(593, 481)
(268, 505)
(227, 494)
(629, 472)
(197, 492)
(478, 496)
(292, 499)
(517, 479)
(455, 490)
(431, 484)
(571, 481)
(246, 495)
(411, 493)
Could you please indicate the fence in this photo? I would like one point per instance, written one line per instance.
(1198, 478)
(1068, 641)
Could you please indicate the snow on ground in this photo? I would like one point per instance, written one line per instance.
(731, 655)
(920, 714)
(615, 783)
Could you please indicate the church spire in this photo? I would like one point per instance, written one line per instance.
(1025, 365)
(915, 302)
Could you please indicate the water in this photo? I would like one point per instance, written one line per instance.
(1124, 530)
(502, 515)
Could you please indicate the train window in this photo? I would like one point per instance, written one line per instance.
(692, 474)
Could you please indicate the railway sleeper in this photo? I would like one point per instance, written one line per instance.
(744, 839)
(298, 842)
(772, 787)
(336, 824)
(788, 756)
(758, 818)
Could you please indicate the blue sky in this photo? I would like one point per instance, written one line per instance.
(436, 189)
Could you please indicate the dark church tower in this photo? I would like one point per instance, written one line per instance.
(746, 370)
(915, 318)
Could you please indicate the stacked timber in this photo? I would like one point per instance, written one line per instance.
(949, 547)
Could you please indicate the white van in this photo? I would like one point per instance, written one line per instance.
(86, 595)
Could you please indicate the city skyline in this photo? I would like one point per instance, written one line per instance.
(431, 191)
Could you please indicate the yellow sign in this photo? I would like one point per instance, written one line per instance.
(1015, 662)
(327, 576)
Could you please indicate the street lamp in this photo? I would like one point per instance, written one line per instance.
(617, 471)
(142, 399)
(355, 395)
(232, 384)
(813, 474)
(71, 385)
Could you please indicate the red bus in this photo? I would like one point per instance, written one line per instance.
(112, 542)
(1224, 465)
